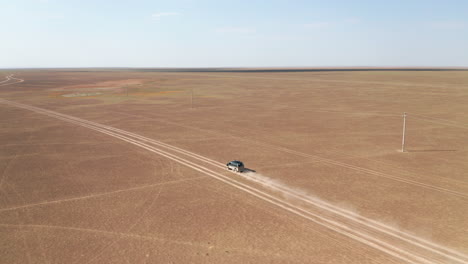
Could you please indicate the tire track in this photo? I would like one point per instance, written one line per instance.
(335, 163)
(373, 224)
(102, 232)
(132, 236)
(129, 229)
(101, 194)
(405, 248)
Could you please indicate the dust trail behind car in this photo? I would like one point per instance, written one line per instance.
(357, 221)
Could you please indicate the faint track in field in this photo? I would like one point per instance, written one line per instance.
(373, 234)
(327, 161)
(4, 172)
(129, 229)
(97, 231)
(100, 194)
(130, 236)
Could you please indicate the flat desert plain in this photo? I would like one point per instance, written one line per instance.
(128, 166)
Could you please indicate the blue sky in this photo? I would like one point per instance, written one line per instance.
(243, 33)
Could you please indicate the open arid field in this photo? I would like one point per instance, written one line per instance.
(128, 166)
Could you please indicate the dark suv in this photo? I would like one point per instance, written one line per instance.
(235, 165)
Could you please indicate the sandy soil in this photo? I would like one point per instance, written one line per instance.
(331, 185)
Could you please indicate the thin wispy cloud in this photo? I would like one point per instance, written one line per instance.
(448, 25)
(236, 30)
(48, 16)
(330, 24)
(56, 17)
(353, 21)
(318, 25)
(159, 15)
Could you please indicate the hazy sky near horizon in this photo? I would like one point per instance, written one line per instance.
(253, 33)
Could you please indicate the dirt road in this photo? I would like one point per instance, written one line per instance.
(397, 243)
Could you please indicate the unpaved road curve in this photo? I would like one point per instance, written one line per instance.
(9, 78)
(406, 247)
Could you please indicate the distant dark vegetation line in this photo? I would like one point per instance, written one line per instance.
(290, 70)
(242, 70)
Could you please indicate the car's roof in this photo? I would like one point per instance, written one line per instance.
(236, 161)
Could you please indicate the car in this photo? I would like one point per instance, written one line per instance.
(235, 165)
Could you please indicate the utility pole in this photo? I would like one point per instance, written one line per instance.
(404, 133)
(191, 99)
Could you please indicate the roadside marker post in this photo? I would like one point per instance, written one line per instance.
(404, 133)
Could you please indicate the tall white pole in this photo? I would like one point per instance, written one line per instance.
(404, 133)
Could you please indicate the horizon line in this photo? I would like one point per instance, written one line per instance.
(255, 69)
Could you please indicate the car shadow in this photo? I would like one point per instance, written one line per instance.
(249, 170)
